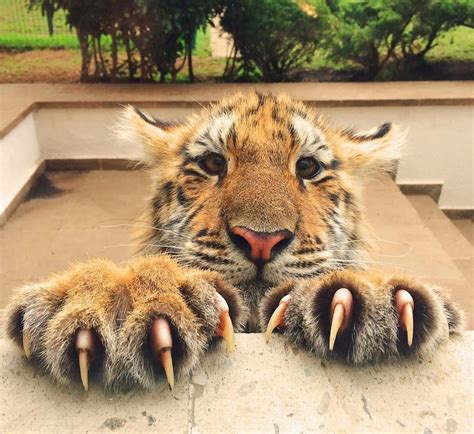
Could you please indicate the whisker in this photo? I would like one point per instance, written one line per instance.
(144, 245)
(148, 227)
(374, 254)
(368, 240)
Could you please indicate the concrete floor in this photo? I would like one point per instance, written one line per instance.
(66, 220)
(69, 216)
(466, 227)
(455, 236)
(260, 388)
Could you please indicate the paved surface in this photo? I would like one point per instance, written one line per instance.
(458, 245)
(221, 42)
(259, 388)
(17, 100)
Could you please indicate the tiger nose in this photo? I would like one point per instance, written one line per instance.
(260, 247)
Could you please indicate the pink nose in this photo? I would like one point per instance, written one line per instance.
(260, 247)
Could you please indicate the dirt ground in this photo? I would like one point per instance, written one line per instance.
(63, 66)
(40, 66)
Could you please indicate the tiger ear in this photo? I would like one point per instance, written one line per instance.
(374, 151)
(158, 138)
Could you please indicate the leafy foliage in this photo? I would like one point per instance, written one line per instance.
(271, 37)
(378, 34)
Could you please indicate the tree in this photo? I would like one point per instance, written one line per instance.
(271, 37)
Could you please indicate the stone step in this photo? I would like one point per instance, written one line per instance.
(260, 388)
(411, 245)
(455, 244)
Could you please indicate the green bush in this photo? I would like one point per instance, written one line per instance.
(271, 37)
(383, 34)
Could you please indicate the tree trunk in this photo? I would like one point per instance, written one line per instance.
(190, 58)
(85, 55)
(129, 59)
(114, 56)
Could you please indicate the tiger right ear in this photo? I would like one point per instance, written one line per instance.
(157, 138)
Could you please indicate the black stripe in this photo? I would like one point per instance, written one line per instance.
(322, 180)
(193, 214)
(305, 264)
(193, 173)
(334, 198)
(211, 244)
(182, 199)
(212, 259)
(305, 250)
(202, 233)
(382, 131)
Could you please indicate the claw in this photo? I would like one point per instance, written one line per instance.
(162, 344)
(27, 343)
(341, 308)
(225, 329)
(405, 307)
(278, 317)
(85, 346)
(84, 368)
(167, 362)
(337, 320)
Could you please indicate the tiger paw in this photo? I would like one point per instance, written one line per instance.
(362, 316)
(123, 326)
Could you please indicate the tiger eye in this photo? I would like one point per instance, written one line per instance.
(214, 164)
(308, 167)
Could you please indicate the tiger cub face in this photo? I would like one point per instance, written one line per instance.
(258, 188)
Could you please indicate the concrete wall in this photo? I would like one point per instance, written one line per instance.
(439, 149)
(88, 132)
(19, 158)
(440, 141)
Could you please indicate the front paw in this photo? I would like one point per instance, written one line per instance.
(122, 325)
(362, 316)
(175, 315)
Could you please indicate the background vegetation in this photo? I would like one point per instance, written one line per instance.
(274, 40)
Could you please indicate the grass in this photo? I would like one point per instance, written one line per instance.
(455, 45)
(21, 29)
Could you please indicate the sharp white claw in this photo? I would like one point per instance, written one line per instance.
(84, 368)
(162, 344)
(167, 362)
(405, 306)
(407, 321)
(85, 347)
(225, 329)
(337, 321)
(278, 317)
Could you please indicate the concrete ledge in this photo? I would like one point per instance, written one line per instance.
(260, 388)
(21, 195)
(431, 190)
(93, 164)
(459, 213)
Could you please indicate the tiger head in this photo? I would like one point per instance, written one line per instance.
(259, 188)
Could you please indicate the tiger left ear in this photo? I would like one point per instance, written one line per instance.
(374, 151)
(156, 136)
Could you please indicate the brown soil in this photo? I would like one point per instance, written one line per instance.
(51, 66)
